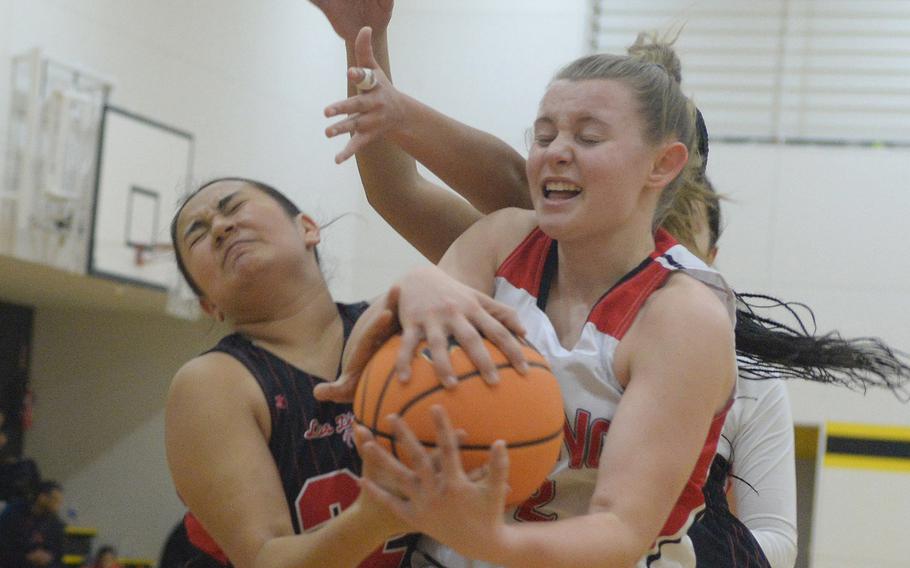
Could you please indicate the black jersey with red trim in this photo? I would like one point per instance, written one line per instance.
(312, 443)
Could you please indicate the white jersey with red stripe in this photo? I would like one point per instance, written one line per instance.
(591, 391)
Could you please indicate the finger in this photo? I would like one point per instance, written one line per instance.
(436, 454)
(505, 314)
(438, 344)
(346, 126)
(351, 106)
(365, 342)
(447, 441)
(413, 451)
(362, 435)
(501, 337)
(340, 390)
(354, 145)
(468, 337)
(354, 124)
(380, 466)
(499, 468)
(479, 474)
(392, 298)
(410, 337)
(358, 75)
(363, 49)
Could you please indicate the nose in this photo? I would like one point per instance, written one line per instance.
(560, 152)
(222, 227)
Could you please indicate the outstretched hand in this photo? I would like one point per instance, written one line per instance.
(349, 16)
(370, 113)
(427, 304)
(435, 307)
(435, 495)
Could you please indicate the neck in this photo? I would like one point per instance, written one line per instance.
(588, 268)
(298, 321)
(305, 329)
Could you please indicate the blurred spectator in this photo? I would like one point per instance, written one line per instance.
(106, 557)
(31, 532)
(19, 476)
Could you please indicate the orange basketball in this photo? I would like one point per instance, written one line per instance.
(525, 411)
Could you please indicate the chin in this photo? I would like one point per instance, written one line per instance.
(555, 226)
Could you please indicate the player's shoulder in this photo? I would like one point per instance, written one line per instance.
(504, 229)
(682, 313)
(509, 220)
(686, 299)
(492, 238)
(212, 376)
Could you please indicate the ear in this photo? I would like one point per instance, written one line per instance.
(211, 309)
(670, 160)
(310, 228)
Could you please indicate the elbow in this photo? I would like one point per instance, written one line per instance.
(779, 547)
(629, 544)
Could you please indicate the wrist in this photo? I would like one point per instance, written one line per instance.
(502, 542)
(406, 130)
(374, 519)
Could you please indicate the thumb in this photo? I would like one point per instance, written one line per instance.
(341, 390)
(363, 48)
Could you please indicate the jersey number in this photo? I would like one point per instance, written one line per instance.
(528, 511)
(324, 497)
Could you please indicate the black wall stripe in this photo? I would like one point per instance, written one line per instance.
(868, 447)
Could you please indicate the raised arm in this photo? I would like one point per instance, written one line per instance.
(426, 215)
(387, 128)
(217, 429)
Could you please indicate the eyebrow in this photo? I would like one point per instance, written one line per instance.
(221, 206)
(583, 119)
(223, 202)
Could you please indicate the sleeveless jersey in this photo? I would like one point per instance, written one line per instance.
(591, 392)
(312, 443)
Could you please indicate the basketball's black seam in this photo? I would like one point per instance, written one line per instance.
(460, 378)
(391, 439)
(363, 393)
(385, 387)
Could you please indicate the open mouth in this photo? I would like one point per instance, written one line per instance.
(560, 190)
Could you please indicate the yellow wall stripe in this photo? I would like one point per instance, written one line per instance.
(867, 462)
(869, 431)
(80, 531)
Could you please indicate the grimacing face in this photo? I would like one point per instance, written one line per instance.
(588, 156)
(229, 232)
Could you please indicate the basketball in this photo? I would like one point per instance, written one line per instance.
(525, 411)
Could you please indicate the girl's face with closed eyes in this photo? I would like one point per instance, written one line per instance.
(235, 240)
(589, 161)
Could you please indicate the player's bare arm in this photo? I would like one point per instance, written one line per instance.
(216, 412)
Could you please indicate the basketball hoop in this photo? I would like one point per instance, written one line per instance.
(147, 254)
